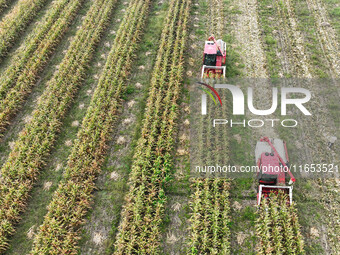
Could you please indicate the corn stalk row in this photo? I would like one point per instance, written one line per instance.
(34, 143)
(209, 230)
(277, 227)
(59, 232)
(20, 76)
(16, 20)
(142, 215)
(209, 221)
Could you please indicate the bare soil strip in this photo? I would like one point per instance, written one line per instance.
(248, 34)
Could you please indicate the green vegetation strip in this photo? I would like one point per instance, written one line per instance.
(59, 231)
(21, 169)
(142, 216)
(277, 227)
(17, 80)
(209, 229)
(16, 21)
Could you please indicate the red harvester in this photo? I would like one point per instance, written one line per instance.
(214, 57)
(272, 159)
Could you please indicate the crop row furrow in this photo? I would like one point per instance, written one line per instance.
(35, 141)
(18, 79)
(139, 231)
(59, 231)
(16, 20)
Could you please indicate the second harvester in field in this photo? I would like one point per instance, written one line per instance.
(272, 159)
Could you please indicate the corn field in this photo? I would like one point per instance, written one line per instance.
(3, 5)
(19, 77)
(210, 217)
(36, 140)
(278, 227)
(73, 196)
(139, 231)
(16, 20)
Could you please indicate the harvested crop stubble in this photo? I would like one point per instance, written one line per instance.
(299, 63)
(248, 34)
(331, 202)
(277, 227)
(327, 35)
(313, 136)
(209, 230)
(140, 229)
(37, 138)
(293, 40)
(59, 231)
(16, 20)
(19, 77)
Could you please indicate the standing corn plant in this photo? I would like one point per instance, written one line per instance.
(19, 172)
(60, 230)
(210, 217)
(277, 227)
(16, 20)
(29, 59)
(142, 215)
